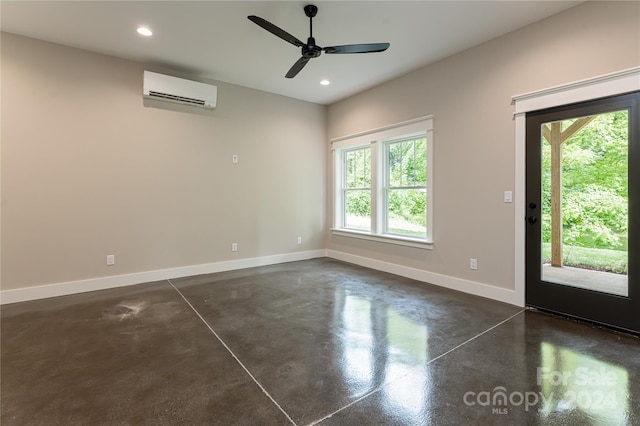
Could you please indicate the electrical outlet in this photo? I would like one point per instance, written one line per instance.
(299, 240)
(111, 260)
(473, 263)
(234, 158)
(234, 246)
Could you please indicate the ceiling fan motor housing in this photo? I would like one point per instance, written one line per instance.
(311, 50)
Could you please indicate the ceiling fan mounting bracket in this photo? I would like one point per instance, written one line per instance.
(310, 10)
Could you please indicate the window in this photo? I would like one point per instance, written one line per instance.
(406, 187)
(357, 189)
(383, 184)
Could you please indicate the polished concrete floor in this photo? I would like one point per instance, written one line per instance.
(305, 343)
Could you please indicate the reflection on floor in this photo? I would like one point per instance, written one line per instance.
(305, 343)
(605, 282)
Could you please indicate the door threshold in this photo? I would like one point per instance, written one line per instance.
(593, 324)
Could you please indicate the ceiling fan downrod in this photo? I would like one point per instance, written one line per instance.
(311, 11)
(311, 50)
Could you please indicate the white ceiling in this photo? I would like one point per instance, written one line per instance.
(214, 39)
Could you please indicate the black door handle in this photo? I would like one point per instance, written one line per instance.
(532, 219)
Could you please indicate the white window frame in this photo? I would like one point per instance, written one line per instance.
(377, 139)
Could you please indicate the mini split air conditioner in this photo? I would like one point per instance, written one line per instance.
(165, 88)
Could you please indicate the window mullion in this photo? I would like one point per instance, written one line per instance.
(339, 184)
(383, 167)
(375, 182)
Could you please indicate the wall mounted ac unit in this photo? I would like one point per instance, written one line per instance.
(165, 88)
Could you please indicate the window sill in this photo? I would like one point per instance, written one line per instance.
(388, 239)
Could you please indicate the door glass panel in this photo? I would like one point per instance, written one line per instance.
(585, 197)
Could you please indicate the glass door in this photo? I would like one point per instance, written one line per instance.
(583, 211)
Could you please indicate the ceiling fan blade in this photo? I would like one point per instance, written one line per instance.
(297, 67)
(357, 48)
(275, 30)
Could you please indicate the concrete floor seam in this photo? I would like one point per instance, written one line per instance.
(379, 388)
(475, 337)
(232, 354)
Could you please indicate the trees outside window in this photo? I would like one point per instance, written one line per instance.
(594, 194)
(357, 189)
(406, 187)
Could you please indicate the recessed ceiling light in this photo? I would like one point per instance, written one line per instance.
(144, 31)
(325, 82)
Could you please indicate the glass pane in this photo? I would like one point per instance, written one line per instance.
(357, 206)
(585, 202)
(406, 212)
(358, 168)
(407, 163)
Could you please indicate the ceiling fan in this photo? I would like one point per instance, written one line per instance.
(310, 49)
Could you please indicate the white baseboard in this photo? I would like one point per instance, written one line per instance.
(102, 283)
(465, 286)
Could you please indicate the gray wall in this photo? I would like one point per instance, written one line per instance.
(470, 96)
(88, 171)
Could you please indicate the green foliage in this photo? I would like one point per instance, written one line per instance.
(594, 217)
(409, 205)
(408, 163)
(358, 203)
(358, 182)
(595, 184)
(406, 186)
(406, 183)
(358, 168)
